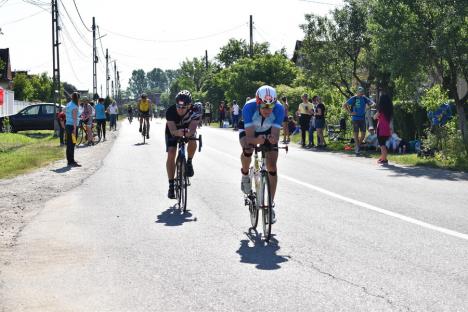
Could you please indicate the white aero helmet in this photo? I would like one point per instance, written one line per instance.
(266, 95)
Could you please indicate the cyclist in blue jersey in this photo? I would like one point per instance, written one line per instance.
(263, 117)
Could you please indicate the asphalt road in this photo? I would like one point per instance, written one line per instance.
(350, 236)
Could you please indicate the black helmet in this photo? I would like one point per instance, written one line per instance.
(184, 96)
(144, 95)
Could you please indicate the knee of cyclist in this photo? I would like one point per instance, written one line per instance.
(247, 152)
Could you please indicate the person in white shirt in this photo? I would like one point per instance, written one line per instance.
(235, 115)
(113, 111)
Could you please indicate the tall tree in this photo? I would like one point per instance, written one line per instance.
(334, 46)
(157, 80)
(425, 35)
(137, 83)
(236, 49)
(243, 78)
(23, 88)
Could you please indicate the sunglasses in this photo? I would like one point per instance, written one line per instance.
(267, 105)
(181, 106)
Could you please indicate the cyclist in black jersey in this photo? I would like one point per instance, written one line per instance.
(181, 120)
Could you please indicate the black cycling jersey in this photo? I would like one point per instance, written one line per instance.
(181, 121)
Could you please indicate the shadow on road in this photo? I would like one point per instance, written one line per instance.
(262, 254)
(140, 144)
(173, 217)
(62, 170)
(430, 173)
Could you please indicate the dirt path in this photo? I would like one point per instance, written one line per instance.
(22, 197)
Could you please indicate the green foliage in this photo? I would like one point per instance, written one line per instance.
(410, 123)
(23, 88)
(434, 97)
(6, 124)
(247, 75)
(333, 47)
(447, 142)
(235, 50)
(157, 80)
(137, 83)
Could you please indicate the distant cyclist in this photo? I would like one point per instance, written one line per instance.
(144, 108)
(181, 120)
(130, 112)
(263, 118)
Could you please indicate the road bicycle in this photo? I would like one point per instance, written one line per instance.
(182, 181)
(145, 129)
(260, 199)
(82, 134)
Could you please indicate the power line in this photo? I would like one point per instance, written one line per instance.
(80, 17)
(23, 18)
(318, 2)
(74, 26)
(69, 37)
(70, 62)
(175, 41)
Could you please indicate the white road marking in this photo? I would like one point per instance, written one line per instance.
(364, 205)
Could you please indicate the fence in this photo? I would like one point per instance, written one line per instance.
(10, 106)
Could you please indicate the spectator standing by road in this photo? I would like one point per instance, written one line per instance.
(285, 120)
(61, 123)
(235, 115)
(384, 131)
(207, 113)
(222, 113)
(71, 123)
(101, 118)
(305, 110)
(113, 111)
(356, 107)
(320, 121)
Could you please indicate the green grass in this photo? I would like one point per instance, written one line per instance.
(24, 151)
(404, 159)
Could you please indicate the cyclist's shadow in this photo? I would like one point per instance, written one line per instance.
(262, 254)
(173, 217)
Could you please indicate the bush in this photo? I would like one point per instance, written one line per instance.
(447, 143)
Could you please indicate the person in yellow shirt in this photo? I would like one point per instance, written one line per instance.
(305, 110)
(144, 108)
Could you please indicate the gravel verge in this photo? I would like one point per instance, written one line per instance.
(23, 197)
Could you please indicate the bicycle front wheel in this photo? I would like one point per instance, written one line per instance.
(266, 203)
(81, 135)
(253, 209)
(182, 182)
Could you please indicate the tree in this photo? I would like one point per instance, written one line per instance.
(22, 87)
(243, 78)
(43, 87)
(68, 89)
(334, 47)
(137, 83)
(235, 50)
(157, 80)
(412, 36)
(193, 73)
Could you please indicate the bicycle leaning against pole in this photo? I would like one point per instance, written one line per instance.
(260, 199)
(182, 181)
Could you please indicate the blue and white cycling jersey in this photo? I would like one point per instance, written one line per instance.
(252, 117)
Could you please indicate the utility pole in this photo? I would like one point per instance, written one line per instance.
(107, 73)
(95, 60)
(112, 89)
(251, 36)
(115, 78)
(55, 54)
(206, 59)
(118, 87)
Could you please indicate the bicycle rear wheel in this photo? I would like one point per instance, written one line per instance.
(266, 203)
